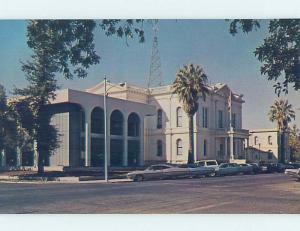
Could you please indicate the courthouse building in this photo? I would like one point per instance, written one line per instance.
(144, 126)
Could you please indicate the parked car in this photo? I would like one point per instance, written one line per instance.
(207, 163)
(295, 165)
(246, 169)
(256, 168)
(159, 171)
(295, 173)
(228, 169)
(282, 167)
(196, 171)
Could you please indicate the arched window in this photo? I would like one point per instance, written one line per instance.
(159, 148)
(97, 120)
(270, 140)
(159, 118)
(179, 147)
(255, 140)
(179, 117)
(116, 123)
(133, 125)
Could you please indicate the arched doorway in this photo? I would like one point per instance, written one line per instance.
(133, 133)
(97, 137)
(116, 138)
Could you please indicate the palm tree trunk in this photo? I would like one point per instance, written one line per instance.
(191, 140)
(40, 161)
(282, 147)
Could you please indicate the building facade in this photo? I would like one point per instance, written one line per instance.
(145, 126)
(264, 146)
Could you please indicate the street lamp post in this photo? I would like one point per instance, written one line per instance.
(105, 133)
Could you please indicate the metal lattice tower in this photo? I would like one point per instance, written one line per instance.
(155, 75)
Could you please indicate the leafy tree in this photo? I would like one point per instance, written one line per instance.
(8, 132)
(124, 28)
(279, 53)
(3, 116)
(283, 113)
(294, 143)
(59, 46)
(190, 85)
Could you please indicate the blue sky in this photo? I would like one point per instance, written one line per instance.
(225, 58)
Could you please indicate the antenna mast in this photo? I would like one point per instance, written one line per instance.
(155, 75)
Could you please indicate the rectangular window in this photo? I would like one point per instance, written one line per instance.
(179, 117)
(205, 148)
(220, 119)
(270, 155)
(159, 148)
(222, 150)
(233, 120)
(205, 117)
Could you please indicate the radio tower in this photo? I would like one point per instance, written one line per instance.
(155, 75)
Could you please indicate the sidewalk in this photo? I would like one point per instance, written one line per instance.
(61, 177)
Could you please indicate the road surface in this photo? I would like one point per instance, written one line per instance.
(265, 193)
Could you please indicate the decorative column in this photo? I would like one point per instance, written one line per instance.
(19, 157)
(3, 158)
(87, 138)
(142, 140)
(35, 154)
(125, 151)
(225, 147)
(231, 145)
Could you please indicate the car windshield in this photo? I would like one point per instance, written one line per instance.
(200, 164)
(211, 163)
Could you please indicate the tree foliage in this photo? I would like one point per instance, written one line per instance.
(3, 116)
(59, 46)
(294, 143)
(190, 84)
(124, 28)
(279, 53)
(282, 112)
(8, 128)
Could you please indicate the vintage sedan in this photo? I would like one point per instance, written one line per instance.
(198, 171)
(295, 173)
(159, 171)
(246, 169)
(228, 169)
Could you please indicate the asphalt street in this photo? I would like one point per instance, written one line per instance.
(265, 193)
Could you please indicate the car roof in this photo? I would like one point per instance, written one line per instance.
(157, 165)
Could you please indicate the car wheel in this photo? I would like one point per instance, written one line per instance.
(138, 178)
(212, 174)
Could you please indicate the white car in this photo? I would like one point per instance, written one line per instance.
(207, 163)
(295, 173)
(159, 171)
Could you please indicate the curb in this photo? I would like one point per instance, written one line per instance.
(90, 179)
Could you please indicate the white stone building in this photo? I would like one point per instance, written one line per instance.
(144, 126)
(264, 146)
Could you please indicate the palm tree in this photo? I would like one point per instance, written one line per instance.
(283, 113)
(190, 85)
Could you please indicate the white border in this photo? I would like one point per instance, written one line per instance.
(164, 9)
